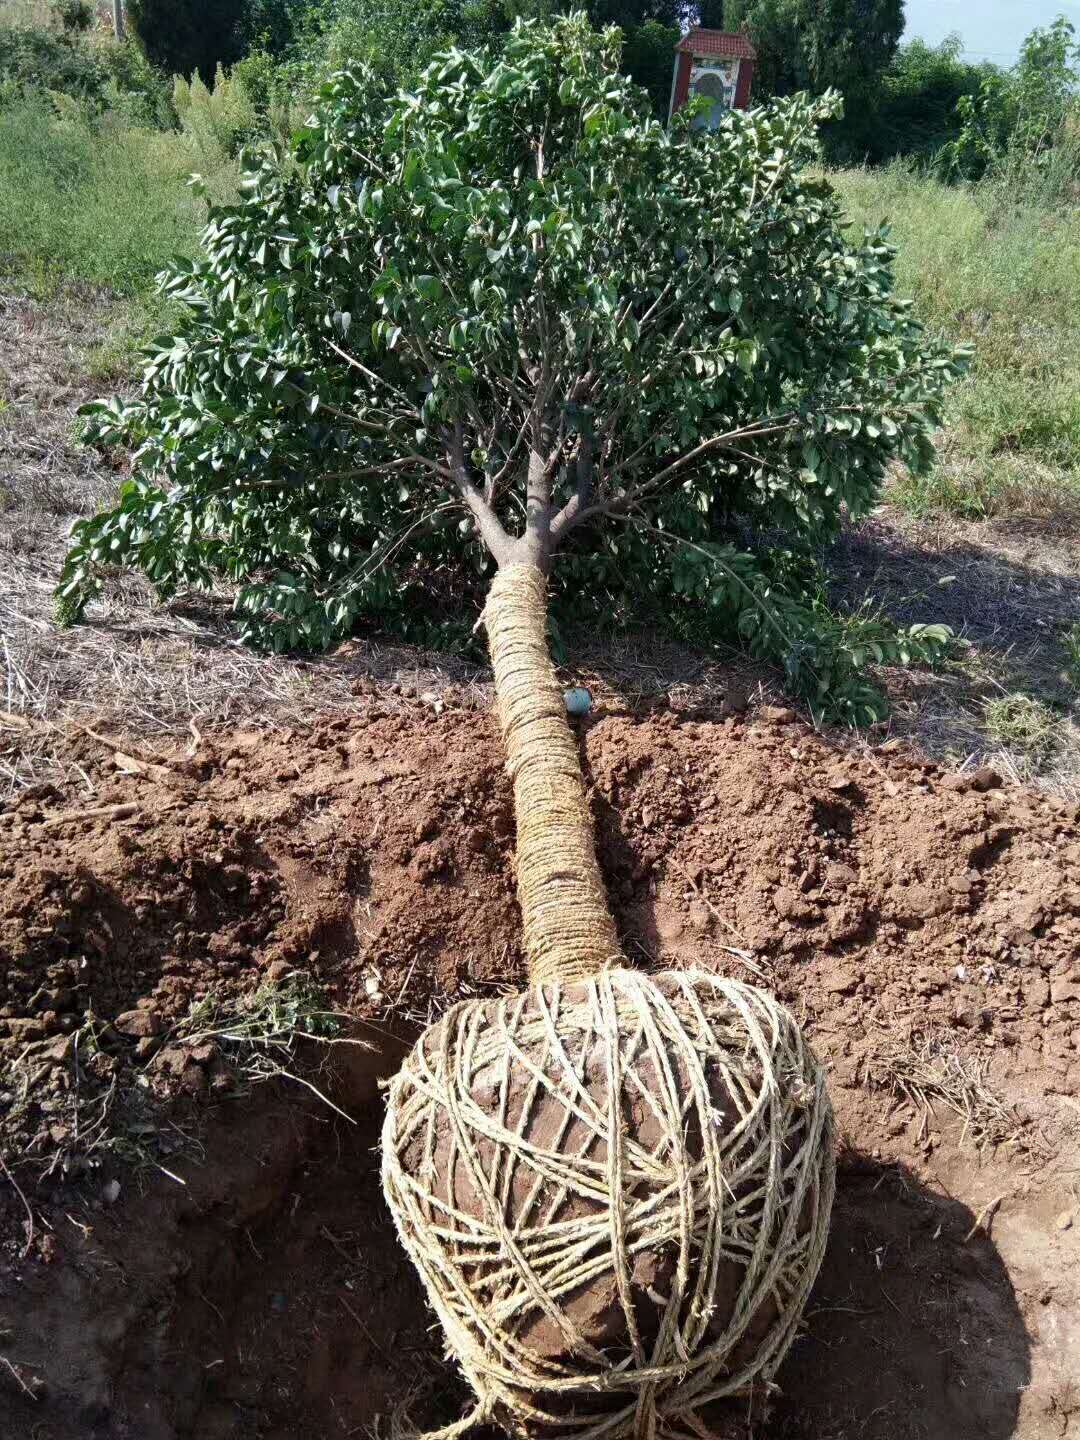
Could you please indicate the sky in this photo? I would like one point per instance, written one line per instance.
(991, 29)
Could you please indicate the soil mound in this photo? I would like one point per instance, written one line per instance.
(925, 926)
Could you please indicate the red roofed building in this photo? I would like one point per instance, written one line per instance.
(716, 63)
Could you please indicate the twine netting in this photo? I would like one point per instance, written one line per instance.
(568, 930)
(617, 1193)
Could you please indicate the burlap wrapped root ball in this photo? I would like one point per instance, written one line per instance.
(617, 1192)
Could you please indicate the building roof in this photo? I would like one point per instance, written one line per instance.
(717, 42)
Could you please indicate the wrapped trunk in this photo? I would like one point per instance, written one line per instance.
(616, 1186)
(569, 930)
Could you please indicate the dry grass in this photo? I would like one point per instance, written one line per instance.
(933, 1071)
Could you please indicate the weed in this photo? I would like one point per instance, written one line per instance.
(262, 1034)
(112, 1106)
(1025, 723)
(93, 199)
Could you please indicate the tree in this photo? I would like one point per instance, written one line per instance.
(183, 36)
(1019, 115)
(648, 57)
(399, 37)
(818, 44)
(396, 37)
(912, 111)
(511, 317)
(628, 14)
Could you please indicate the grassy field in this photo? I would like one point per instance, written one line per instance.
(1005, 278)
(95, 202)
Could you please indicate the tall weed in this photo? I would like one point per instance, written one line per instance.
(93, 200)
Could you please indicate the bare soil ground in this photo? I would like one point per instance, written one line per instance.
(186, 1254)
(925, 926)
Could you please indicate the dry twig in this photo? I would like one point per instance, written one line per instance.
(29, 1213)
(984, 1218)
(96, 812)
(18, 1379)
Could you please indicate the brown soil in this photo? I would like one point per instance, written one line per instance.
(926, 927)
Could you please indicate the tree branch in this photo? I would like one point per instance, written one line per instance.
(495, 480)
(484, 518)
(574, 515)
(380, 554)
(585, 481)
(757, 600)
(356, 365)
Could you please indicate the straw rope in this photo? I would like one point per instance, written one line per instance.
(568, 930)
(517, 1175)
(654, 1151)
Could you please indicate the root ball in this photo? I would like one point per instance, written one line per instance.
(617, 1193)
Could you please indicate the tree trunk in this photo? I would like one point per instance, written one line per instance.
(118, 18)
(569, 931)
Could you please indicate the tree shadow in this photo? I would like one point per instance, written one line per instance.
(1011, 607)
(913, 1330)
(1011, 614)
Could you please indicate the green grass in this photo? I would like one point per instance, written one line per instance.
(102, 203)
(1023, 723)
(1005, 278)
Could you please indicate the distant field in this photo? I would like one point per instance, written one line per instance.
(1006, 278)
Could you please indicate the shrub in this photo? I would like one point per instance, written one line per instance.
(516, 274)
(269, 86)
(1023, 122)
(219, 121)
(135, 88)
(75, 15)
(252, 102)
(273, 26)
(41, 60)
(108, 76)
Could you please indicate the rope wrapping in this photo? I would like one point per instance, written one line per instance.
(568, 929)
(616, 1187)
(617, 1193)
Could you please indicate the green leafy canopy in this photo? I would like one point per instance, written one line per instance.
(510, 315)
